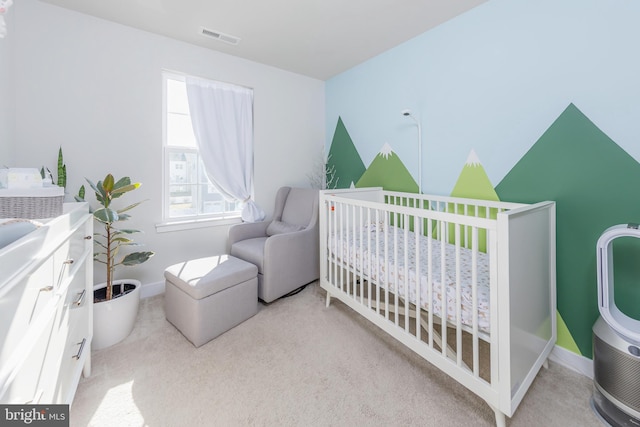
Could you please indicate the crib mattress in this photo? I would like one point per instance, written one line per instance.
(368, 259)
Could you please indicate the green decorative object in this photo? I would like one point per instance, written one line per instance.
(566, 164)
(80, 196)
(343, 159)
(62, 170)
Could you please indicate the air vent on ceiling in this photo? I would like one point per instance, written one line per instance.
(219, 36)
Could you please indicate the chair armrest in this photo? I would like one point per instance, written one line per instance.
(296, 252)
(246, 230)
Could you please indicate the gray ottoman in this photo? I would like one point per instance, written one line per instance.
(206, 297)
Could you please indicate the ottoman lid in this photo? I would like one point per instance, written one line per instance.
(206, 276)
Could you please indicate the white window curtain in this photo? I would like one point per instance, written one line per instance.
(222, 118)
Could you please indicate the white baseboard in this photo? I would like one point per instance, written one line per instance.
(151, 289)
(575, 362)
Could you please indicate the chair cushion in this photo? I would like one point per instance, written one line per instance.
(251, 250)
(279, 227)
(206, 276)
(298, 208)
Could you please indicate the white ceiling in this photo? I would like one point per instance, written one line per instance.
(317, 38)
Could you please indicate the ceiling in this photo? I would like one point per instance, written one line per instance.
(316, 38)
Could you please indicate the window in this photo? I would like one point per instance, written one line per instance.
(188, 193)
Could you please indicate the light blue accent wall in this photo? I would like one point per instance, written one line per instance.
(493, 80)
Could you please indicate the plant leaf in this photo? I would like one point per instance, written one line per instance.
(121, 240)
(129, 231)
(108, 183)
(62, 170)
(125, 180)
(136, 258)
(80, 196)
(106, 215)
(125, 189)
(128, 207)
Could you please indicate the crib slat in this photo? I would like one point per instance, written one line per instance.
(406, 272)
(342, 239)
(387, 270)
(396, 278)
(378, 274)
(458, 298)
(418, 305)
(430, 226)
(351, 215)
(332, 225)
(368, 271)
(443, 288)
(474, 296)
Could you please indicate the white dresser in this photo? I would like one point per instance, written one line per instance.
(46, 310)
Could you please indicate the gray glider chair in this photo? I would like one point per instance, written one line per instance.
(285, 249)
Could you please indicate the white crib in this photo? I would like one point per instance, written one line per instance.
(467, 284)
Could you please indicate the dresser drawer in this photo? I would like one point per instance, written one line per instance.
(24, 303)
(27, 383)
(72, 251)
(77, 348)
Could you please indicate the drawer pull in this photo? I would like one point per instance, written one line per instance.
(62, 270)
(79, 353)
(36, 398)
(88, 237)
(46, 288)
(80, 298)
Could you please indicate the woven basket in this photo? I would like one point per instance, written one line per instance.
(31, 207)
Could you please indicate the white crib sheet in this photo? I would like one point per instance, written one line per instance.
(347, 242)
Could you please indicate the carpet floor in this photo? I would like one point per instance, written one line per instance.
(297, 363)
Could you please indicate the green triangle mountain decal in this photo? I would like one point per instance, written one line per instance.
(387, 171)
(473, 183)
(344, 160)
(593, 182)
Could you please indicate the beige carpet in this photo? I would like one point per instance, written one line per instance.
(297, 363)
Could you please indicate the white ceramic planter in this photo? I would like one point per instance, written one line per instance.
(113, 320)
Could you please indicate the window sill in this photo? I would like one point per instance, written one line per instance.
(168, 226)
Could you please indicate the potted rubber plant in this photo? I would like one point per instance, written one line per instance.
(115, 301)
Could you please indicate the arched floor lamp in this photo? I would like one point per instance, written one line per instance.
(407, 113)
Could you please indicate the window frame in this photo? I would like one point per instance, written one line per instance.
(196, 220)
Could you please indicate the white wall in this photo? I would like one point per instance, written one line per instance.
(94, 88)
(7, 93)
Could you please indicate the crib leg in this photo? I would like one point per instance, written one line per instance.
(501, 419)
(328, 299)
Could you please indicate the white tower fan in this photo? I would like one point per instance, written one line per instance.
(616, 343)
